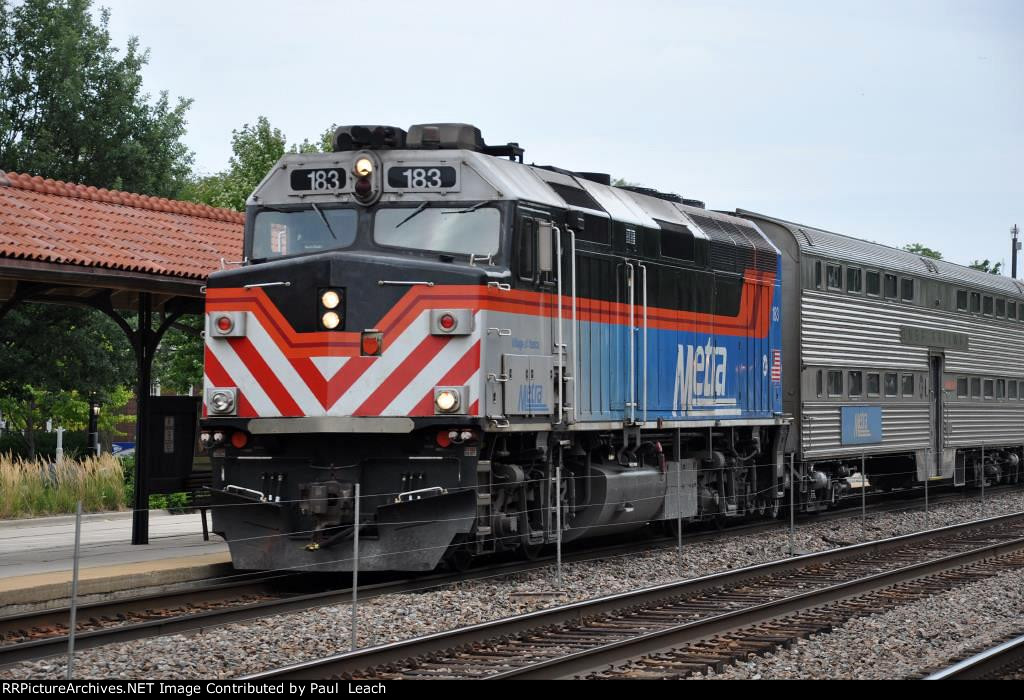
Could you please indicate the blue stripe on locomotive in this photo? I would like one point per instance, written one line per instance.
(691, 375)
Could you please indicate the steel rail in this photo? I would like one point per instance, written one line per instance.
(576, 613)
(1006, 656)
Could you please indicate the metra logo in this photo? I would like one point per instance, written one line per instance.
(531, 398)
(700, 379)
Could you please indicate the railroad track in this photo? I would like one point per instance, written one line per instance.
(677, 629)
(1003, 661)
(36, 635)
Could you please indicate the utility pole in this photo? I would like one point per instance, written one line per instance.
(1015, 232)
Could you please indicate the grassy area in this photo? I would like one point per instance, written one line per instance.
(34, 488)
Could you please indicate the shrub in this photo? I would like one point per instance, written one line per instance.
(42, 487)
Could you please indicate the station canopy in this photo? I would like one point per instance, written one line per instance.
(121, 253)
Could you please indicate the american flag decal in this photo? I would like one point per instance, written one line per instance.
(776, 365)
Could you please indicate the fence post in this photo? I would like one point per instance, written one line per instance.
(355, 570)
(74, 592)
(558, 523)
(863, 490)
(792, 503)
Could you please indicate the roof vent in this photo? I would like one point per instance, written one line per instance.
(462, 136)
(667, 196)
(352, 138)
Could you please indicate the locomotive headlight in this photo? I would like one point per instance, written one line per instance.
(331, 320)
(330, 299)
(363, 167)
(447, 401)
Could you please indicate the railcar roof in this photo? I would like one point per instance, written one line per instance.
(819, 242)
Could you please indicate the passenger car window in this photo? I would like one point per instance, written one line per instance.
(1011, 389)
(1001, 308)
(854, 283)
(835, 383)
(989, 388)
(975, 303)
(906, 289)
(834, 277)
(873, 281)
(856, 383)
(961, 387)
(1000, 388)
(961, 300)
(890, 286)
(891, 384)
(908, 385)
(975, 387)
(874, 386)
(986, 306)
(1011, 310)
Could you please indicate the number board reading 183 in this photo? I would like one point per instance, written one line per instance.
(318, 180)
(423, 177)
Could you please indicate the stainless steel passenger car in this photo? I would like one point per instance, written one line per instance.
(910, 362)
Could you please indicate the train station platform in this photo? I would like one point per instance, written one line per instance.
(36, 556)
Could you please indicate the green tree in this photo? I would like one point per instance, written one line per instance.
(921, 249)
(53, 358)
(987, 266)
(178, 363)
(255, 148)
(72, 106)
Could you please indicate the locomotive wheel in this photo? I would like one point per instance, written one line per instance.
(460, 560)
(775, 509)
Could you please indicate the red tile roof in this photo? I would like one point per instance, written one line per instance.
(58, 222)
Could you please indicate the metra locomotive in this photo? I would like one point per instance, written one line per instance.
(498, 352)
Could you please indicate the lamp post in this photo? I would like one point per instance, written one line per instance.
(1015, 231)
(94, 417)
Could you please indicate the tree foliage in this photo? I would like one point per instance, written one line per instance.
(921, 249)
(72, 106)
(255, 148)
(178, 363)
(53, 358)
(987, 266)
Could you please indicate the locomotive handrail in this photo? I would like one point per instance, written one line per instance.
(643, 269)
(575, 328)
(400, 283)
(560, 345)
(632, 341)
(267, 284)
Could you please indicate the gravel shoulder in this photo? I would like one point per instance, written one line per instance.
(244, 648)
(902, 643)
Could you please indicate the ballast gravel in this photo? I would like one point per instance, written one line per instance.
(244, 648)
(924, 636)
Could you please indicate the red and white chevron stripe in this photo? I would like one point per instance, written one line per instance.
(400, 382)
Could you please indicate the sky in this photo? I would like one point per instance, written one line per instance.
(897, 121)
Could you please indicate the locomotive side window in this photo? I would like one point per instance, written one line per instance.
(853, 280)
(906, 289)
(908, 385)
(462, 230)
(986, 307)
(526, 251)
(961, 300)
(856, 383)
(975, 303)
(874, 283)
(891, 384)
(961, 387)
(975, 387)
(874, 384)
(834, 277)
(278, 234)
(890, 286)
(835, 383)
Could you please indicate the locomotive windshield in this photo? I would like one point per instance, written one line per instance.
(471, 230)
(278, 234)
